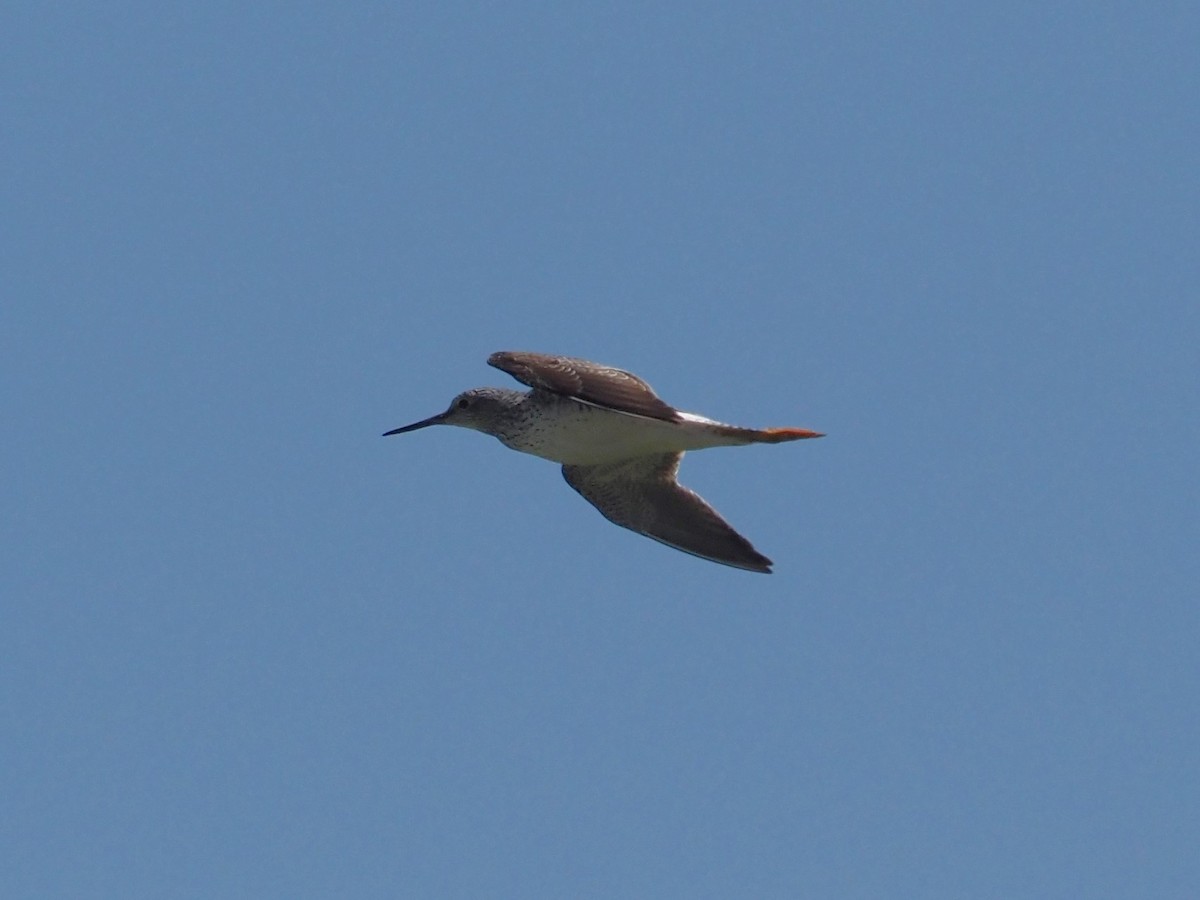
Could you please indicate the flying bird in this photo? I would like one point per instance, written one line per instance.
(618, 443)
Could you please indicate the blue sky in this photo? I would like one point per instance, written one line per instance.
(250, 648)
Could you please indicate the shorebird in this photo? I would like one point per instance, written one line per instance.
(618, 443)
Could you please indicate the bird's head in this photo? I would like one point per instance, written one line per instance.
(479, 409)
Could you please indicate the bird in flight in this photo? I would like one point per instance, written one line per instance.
(619, 446)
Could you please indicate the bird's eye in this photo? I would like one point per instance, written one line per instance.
(463, 403)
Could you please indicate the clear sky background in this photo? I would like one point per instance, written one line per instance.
(250, 648)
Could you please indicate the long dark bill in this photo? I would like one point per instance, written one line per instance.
(424, 423)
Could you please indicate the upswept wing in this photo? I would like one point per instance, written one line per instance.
(590, 382)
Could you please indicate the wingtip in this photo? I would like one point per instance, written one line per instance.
(500, 357)
(763, 566)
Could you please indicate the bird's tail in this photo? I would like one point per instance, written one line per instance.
(779, 435)
(768, 435)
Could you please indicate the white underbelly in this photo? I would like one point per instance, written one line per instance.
(582, 435)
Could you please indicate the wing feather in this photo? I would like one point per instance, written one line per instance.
(590, 382)
(642, 495)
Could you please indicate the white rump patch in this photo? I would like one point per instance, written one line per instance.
(701, 420)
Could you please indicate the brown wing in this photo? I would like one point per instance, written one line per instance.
(588, 381)
(642, 495)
